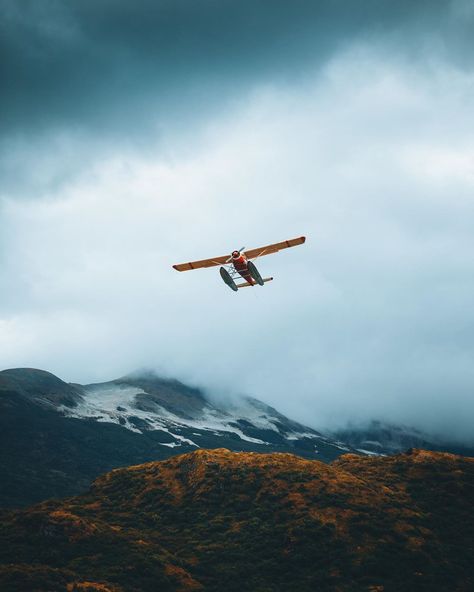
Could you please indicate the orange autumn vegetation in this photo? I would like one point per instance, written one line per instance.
(217, 520)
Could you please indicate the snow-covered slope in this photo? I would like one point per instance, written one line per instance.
(182, 417)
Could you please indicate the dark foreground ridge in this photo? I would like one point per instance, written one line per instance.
(218, 520)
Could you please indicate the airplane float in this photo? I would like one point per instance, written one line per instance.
(239, 263)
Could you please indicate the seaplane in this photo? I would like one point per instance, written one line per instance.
(239, 265)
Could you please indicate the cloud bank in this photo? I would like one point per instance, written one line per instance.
(160, 134)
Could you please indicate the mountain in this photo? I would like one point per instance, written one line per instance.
(55, 437)
(181, 416)
(217, 520)
(377, 437)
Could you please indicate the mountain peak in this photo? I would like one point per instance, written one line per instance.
(31, 377)
(40, 386)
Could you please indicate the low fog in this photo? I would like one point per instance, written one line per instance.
(368, 150)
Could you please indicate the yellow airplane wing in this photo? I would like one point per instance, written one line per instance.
(202, 263)
(274, 248)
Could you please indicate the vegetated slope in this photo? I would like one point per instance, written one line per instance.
(55, 437)
(217, 520)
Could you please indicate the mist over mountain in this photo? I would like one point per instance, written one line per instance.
(56, 437)
(380, 437)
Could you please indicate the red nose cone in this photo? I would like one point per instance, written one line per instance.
(235, 254)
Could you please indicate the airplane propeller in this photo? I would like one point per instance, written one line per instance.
(230, 258)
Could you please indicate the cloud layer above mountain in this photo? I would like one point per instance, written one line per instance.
(137, 135)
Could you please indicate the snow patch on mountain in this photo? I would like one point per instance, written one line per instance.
(117, 403)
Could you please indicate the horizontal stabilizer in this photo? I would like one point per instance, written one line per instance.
(246, 285)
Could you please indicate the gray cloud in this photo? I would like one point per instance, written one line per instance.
(90, 74)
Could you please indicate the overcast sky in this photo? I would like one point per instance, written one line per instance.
(135, 135)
